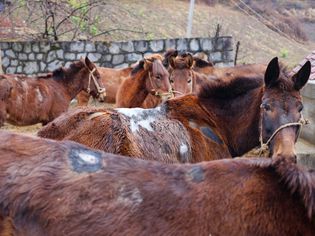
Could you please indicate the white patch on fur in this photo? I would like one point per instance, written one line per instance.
(183, 149)
(16, 78)
(140, 117)
(39, 95)
(130, 197)
(88, 158)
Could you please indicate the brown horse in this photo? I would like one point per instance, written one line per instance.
(237, 113)
(149, 77)
(30, 100)
(63, 188)
(111, 79)
(183, 78)
(187, 73)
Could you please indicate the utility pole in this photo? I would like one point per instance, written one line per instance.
(190, 18)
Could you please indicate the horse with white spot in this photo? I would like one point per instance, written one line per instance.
(64, 188)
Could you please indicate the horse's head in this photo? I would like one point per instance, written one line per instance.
(182, 75)
(281, 108)
(94, 84)
(157, 77)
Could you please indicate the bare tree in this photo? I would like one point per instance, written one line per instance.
(65, 19)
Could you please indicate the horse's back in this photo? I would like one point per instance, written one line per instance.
(145, 133)
(28, 99)
(64, 187)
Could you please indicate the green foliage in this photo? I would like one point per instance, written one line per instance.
(150, 36)
(284, 52)
(81, 20)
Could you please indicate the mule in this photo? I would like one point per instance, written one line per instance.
(111, 79)
(30, 100)
(149, 77)
(63, 188)
(241, 114)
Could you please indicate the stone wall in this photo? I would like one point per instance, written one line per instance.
(40, 57)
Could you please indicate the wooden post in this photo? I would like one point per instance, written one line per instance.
(1, 71)
(236, 52)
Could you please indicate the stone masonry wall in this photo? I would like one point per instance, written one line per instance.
(40, 57)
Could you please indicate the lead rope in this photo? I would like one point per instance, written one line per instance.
(265, 146)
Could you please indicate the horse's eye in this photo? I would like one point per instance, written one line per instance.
(300, 108)
(265, 106)
(188, 81)
(172, 81)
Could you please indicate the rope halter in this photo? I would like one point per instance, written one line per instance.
(264, 147)
(100, 90)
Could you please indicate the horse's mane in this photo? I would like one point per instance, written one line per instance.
(198, 62)
(60, 72)
(220, 88)
(297, 179)
(139, 66)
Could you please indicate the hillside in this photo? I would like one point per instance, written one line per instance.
(152, 19)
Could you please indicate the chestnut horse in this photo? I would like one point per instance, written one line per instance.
(63, 188)
(188, 72)
(30, 100)
(111, 79)
(149, 77)
(241, 113)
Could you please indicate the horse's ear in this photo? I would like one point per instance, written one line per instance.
(302, 76)
(147, 64)
(272, 72)
(89, 64)
(172, 62)
(189, 60)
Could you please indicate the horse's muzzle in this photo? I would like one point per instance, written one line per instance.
(102, 96)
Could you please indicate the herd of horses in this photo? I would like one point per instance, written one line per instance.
(165, 160)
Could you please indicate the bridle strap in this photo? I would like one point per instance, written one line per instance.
(265, 146)
(98, 87)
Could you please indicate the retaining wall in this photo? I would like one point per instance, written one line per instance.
(40, 57)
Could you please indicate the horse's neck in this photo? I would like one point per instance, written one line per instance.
(198, 79)
(137, 88)
(71, 86)
(238, 121)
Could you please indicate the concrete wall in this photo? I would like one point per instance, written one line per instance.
(308, 92)
(40, 57)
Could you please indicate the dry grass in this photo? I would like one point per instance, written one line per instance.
(168, 18)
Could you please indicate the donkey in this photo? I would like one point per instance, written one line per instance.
(63, 188)
(31, 100)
